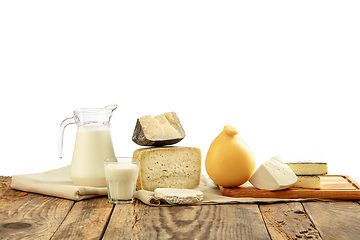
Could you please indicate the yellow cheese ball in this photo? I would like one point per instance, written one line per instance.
(229, 161)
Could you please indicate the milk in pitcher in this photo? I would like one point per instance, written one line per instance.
(92, 146)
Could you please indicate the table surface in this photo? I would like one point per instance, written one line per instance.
(33, 216)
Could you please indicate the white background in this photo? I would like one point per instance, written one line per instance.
(284, 73)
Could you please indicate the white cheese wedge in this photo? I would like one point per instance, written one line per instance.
(179, 196)
(308, 168)
(273, 175)
(168, 167)
(308, 182)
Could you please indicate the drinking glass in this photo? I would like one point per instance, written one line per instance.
(121, 174)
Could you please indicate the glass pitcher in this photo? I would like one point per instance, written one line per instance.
(93, 144)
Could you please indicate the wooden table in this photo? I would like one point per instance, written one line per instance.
(32, 216)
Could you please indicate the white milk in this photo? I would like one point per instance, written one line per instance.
(92, 146)
(121, 178)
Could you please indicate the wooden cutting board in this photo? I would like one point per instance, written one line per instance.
(332, 187)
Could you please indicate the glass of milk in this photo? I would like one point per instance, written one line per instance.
(121, 174)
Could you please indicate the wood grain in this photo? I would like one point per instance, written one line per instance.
(288, 221)
(30, 216)
(236, 221)
(121, 222)
(335, 219)
(86, 220)
(332, 187)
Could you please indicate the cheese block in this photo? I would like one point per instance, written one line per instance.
(308, 182)
(168, 167)
(273, 174)
(179, 196)
(308, 168)
(164, 129)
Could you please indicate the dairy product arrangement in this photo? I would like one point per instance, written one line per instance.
(171, 168)
(229, 162)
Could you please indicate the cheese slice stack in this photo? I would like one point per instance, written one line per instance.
(307, 173)
(273, 174)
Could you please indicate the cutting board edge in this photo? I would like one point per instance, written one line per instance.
(348, 194)
(352, 181)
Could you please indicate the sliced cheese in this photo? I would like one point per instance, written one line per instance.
(308, 168)
(273, 175)
(168, 167)
(308, 182)
(161, 130)
(179, 196)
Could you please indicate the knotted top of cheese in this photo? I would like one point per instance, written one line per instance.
(230, 130)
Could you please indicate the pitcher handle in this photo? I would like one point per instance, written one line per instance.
(64, 123)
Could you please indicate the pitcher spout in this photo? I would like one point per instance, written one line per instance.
(111, 107)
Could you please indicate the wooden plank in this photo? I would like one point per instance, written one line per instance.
(288, 221)
(231, 221)
(30, 216)
(121, 222)
(86, 220)
(335, 219)
(332, 187)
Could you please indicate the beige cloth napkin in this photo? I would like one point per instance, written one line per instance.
(58, 183)
(55, 183)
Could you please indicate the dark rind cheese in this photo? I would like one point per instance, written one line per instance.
(313, 182)
(308, 167)
(142, 138)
